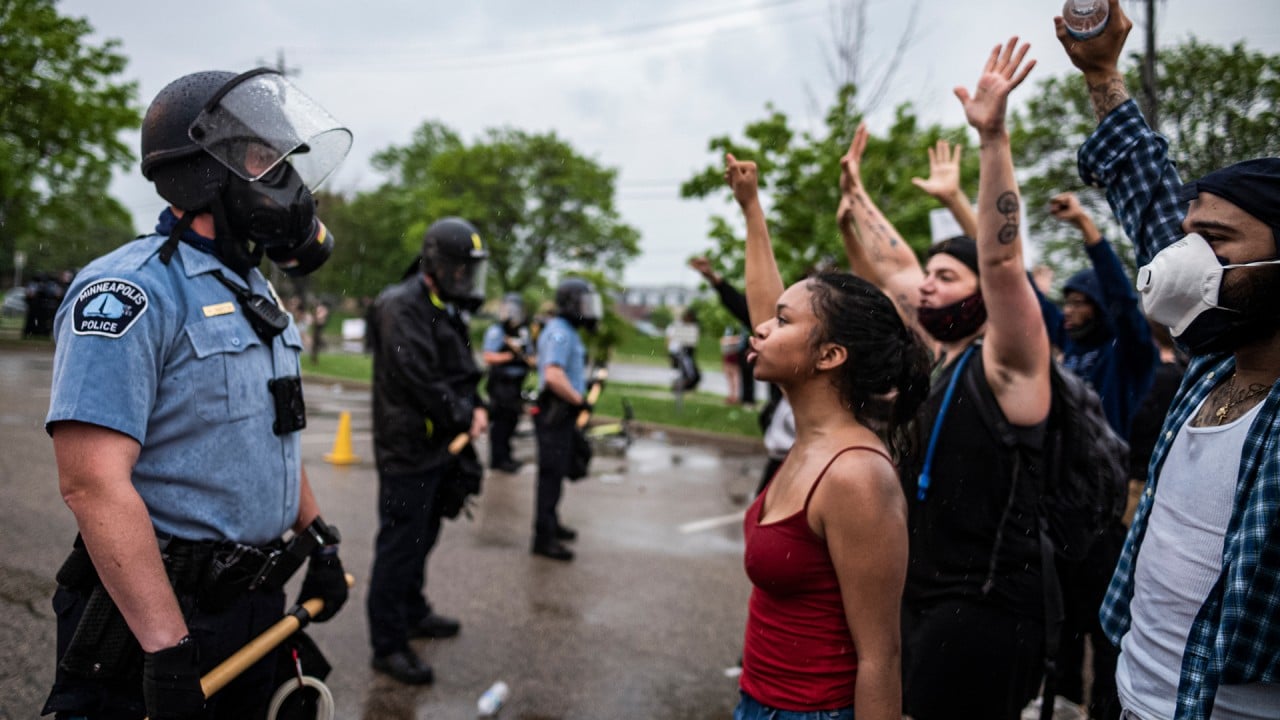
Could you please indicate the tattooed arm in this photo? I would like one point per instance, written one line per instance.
(1015, 352)
(876, 251)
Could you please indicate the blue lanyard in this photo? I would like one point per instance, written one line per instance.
(922, 485)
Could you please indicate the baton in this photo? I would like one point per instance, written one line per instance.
(256, 649)
(597, 384)
(456, 444)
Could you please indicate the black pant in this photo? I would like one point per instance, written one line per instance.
(1084, 586)
(504, 394)
(555, 443)
(218, 636)
(408, 526)
(969, 659)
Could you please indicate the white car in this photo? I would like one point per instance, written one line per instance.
(15, 302)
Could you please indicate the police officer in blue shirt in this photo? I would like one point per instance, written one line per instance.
(176, 408)
(506, 352)
(562, 387)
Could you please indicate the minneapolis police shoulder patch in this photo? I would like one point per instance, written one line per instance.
(108, 307)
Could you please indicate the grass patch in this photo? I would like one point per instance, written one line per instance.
(700, 411)
(347, 366)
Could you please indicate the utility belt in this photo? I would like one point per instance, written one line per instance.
(212, 574)
(555, 410)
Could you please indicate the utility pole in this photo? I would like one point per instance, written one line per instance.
(1150, 103)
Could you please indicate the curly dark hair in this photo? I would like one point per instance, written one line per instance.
(886, 377)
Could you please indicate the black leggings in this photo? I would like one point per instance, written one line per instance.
(966, 659)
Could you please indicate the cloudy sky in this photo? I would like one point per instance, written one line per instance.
(640, 87)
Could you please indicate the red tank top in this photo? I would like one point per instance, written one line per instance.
(798, 654)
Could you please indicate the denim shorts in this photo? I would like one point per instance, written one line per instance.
(750, 709)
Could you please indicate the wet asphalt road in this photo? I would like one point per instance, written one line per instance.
(642, 625)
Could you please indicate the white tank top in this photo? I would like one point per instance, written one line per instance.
(1178, 564)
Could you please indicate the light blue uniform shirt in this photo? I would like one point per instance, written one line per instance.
(559, 344)
(164, 354)
(495, 340)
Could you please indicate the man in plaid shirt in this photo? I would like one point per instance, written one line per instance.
(1195, 601)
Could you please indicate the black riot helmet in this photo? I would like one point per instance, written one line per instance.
(578, 302)
(248, 149)
(456, 260)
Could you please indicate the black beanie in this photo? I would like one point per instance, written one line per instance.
(960, 247)
(1252, 185)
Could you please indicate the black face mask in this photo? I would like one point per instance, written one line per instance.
(1247, 313)
(1091, 333)
(956, 321)
(276, 215)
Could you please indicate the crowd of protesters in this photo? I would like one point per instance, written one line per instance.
(1177, 597)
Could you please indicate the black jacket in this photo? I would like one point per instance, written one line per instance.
(424, 379)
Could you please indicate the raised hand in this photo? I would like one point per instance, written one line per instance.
(743, 178)
(1004, 71)
(944, 171)
(1101, 54)
(851, 162)
(1066, 207)
(703, 266)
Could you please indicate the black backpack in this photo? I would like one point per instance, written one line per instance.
(1087, 479)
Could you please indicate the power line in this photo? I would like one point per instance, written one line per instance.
(573, 51)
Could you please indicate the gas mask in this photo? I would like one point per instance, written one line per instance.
(956, 321)
(277, 214)
(277, 144)
(1181, 289)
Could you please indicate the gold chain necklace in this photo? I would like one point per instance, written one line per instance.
(1231, 401)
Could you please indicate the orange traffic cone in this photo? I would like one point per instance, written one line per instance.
(342, 454)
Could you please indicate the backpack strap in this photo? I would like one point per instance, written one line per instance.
(926, 472)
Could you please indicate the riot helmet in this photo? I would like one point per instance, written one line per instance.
(456, 260)
(578, 302)
(249, 149)
(511, 310)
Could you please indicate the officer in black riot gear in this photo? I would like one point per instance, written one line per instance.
(424, 395)
(176, 408)
(507, 353)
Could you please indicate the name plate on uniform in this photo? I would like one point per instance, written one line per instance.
(224, 308)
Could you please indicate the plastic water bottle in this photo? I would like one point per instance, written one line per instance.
(1085, 18)
(492, 699)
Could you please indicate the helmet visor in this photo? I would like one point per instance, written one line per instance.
(260, 120)
(590, 306)
(464, 282)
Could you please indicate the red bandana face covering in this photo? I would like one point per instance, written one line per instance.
(956, 321)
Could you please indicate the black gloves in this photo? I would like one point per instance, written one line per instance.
(171, 682)
(585, 406)
(325, 580)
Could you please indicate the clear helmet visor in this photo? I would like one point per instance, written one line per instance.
(591, 307)
(261, 119)
(463, 282)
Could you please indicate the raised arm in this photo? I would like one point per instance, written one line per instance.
(764, 282)
(943, 184)
(1125, 156)
(1015, 352)
(876, 251)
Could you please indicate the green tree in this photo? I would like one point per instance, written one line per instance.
(800, 171)
(540, 206)
(1218, 105)
(61, 111)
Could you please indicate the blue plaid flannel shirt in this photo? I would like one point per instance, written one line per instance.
(1235, 638)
